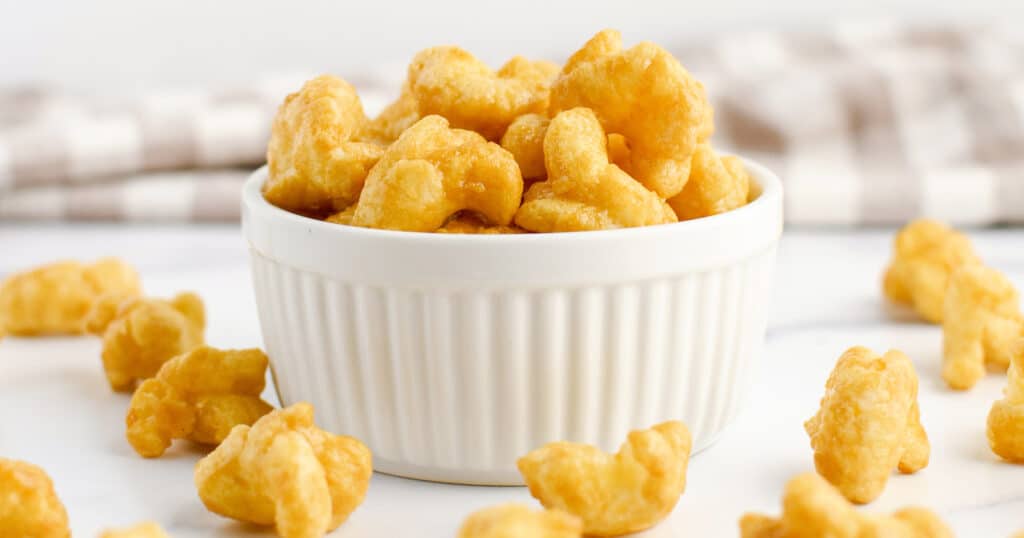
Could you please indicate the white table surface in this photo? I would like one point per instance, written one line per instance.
(56, 409)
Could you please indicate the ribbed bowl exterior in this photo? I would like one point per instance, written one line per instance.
(455, 385)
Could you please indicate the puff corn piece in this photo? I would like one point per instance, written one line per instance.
(524, 139)
(286, 472)
(451, 82)
(518, 521)
(55, 298)
(29, 507)
(925, 254)
(142, 530)
(868, 424)
(469, 224)
(716, 185)
(613, 494)
(432, 172)
(1006, 418)
(583, 190)
(344, 216)
(394, 119)
(644, 94)
(316, 156)
(200, 396)
(140, 334)
(812, 508)
(981, 321)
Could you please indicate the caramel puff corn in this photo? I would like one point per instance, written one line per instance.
(450, 82)
(716, 185)
(29, 506)
(868, 424)
(140, 334)
(811, 508)
(518, 521)
(644, 94)
(1006, 418)
(925, 254)
(286, 472)
(318, 156)
(199, 396)
(433, 172)
(981, 321)
(613, 494)
(142, 530)
(55, 298)
(584, 191)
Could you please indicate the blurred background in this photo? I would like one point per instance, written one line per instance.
(871, 111)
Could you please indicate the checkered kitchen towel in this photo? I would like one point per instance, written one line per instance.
(867, 124)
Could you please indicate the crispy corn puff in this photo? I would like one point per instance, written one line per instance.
(55, 298)
(200, 396)
(1006, 418)
(868, 424)
(286, 472)
(925, 254)
(450, 82)
(583, 190)
(470, 224)
(394, 119)
(140, 334)
(981, 321)
(344, 216)
(317, 157)
(518, 521)
(812, 508)
(524, 139)
(613, 494)
(29, 507)
(142, 530)
(644, 94)
(432, 172)
(716, 185)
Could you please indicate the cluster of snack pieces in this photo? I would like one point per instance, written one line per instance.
(277, 468)
(614, 138)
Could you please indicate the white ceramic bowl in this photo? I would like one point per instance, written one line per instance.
(452, 355)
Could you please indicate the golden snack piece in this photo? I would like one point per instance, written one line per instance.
(432, 172)
(518, 521)
(868, 424)
(344, 216)
(29, 506)
(613, 494)
(925, 254)
(316, 157)
(450, 82)
(142, 530)
(716, 185)
(644, 94)
(141, 334)
(981, 321)
(583, 190)
(394, 119)
(524, 139)
(812, 508)
(199, 396)
(286, 472)
(1006, 418)
(55, 298)
(471, 224)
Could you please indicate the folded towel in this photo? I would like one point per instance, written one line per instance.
(865, 124)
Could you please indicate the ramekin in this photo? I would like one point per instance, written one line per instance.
(452, 355)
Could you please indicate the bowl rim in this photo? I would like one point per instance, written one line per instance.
(770, 196)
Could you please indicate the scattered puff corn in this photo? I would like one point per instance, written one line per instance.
(1006, 418)
(925, 254)
(286, 472)
(55, 298)
(868, 424)
(613, 493)
(199, 396)
(811, 508)
(142, 530)
(29, 506)
(981, 321)
(140, 334)
(518, 521)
